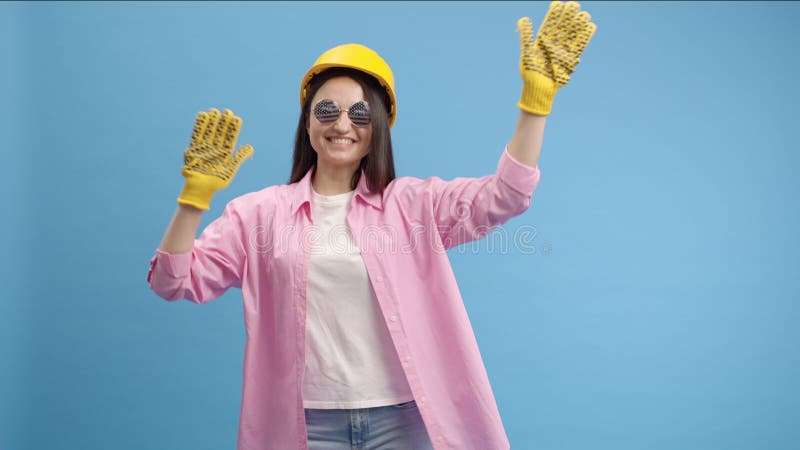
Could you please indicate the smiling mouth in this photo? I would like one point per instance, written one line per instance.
(340, 140)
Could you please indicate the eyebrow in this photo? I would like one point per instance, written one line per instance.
(340, 103)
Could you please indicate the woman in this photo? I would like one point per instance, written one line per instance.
(357, 336)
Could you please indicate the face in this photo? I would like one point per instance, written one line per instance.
(339, 145)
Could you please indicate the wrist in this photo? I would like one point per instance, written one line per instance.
(188, 209)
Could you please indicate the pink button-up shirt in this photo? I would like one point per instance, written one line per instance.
(262, 244)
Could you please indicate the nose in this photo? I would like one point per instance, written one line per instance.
(342, 122)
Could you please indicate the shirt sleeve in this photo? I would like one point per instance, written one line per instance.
(466, 209)
(215, 263)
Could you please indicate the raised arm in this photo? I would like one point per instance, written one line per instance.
(209, 165)
(201, 270)
(526, 143)
(545, 65)
(179, 237)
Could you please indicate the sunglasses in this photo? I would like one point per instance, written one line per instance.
(328, 111)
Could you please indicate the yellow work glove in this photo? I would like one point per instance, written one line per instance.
(209, 164)
(546, 64)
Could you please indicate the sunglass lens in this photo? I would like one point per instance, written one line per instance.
(326, 111)
(359, 114)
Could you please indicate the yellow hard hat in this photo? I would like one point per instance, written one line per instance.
(359, 57)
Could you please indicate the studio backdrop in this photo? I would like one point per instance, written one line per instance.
(647, 299)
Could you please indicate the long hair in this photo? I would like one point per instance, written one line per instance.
(378, 164)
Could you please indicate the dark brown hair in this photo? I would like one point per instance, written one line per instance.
(378, 164)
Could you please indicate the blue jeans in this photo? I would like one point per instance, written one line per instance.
(393, 427)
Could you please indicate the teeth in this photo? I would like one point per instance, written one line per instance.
(341, 140)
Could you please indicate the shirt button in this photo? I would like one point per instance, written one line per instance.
(440, 438)
(422, 399)
(379, 279)
(393, 318)
(408, 358)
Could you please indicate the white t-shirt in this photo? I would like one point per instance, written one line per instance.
(350, 359)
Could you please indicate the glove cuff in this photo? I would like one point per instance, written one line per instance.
(195, 192)
(538, 93)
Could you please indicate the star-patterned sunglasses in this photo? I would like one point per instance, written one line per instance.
(327, 112)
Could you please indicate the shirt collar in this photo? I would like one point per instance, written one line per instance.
(302, 192)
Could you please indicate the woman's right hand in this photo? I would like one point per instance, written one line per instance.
(209, 162)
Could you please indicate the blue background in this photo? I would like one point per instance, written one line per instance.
(658, 310)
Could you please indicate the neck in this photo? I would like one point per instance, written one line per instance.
(331, 182)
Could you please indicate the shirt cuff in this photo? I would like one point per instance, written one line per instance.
(175, 265)
(520, 177)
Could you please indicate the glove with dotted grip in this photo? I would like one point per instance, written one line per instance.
(209, 162)
(547, 63)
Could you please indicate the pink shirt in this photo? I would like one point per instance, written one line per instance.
(262, 244)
